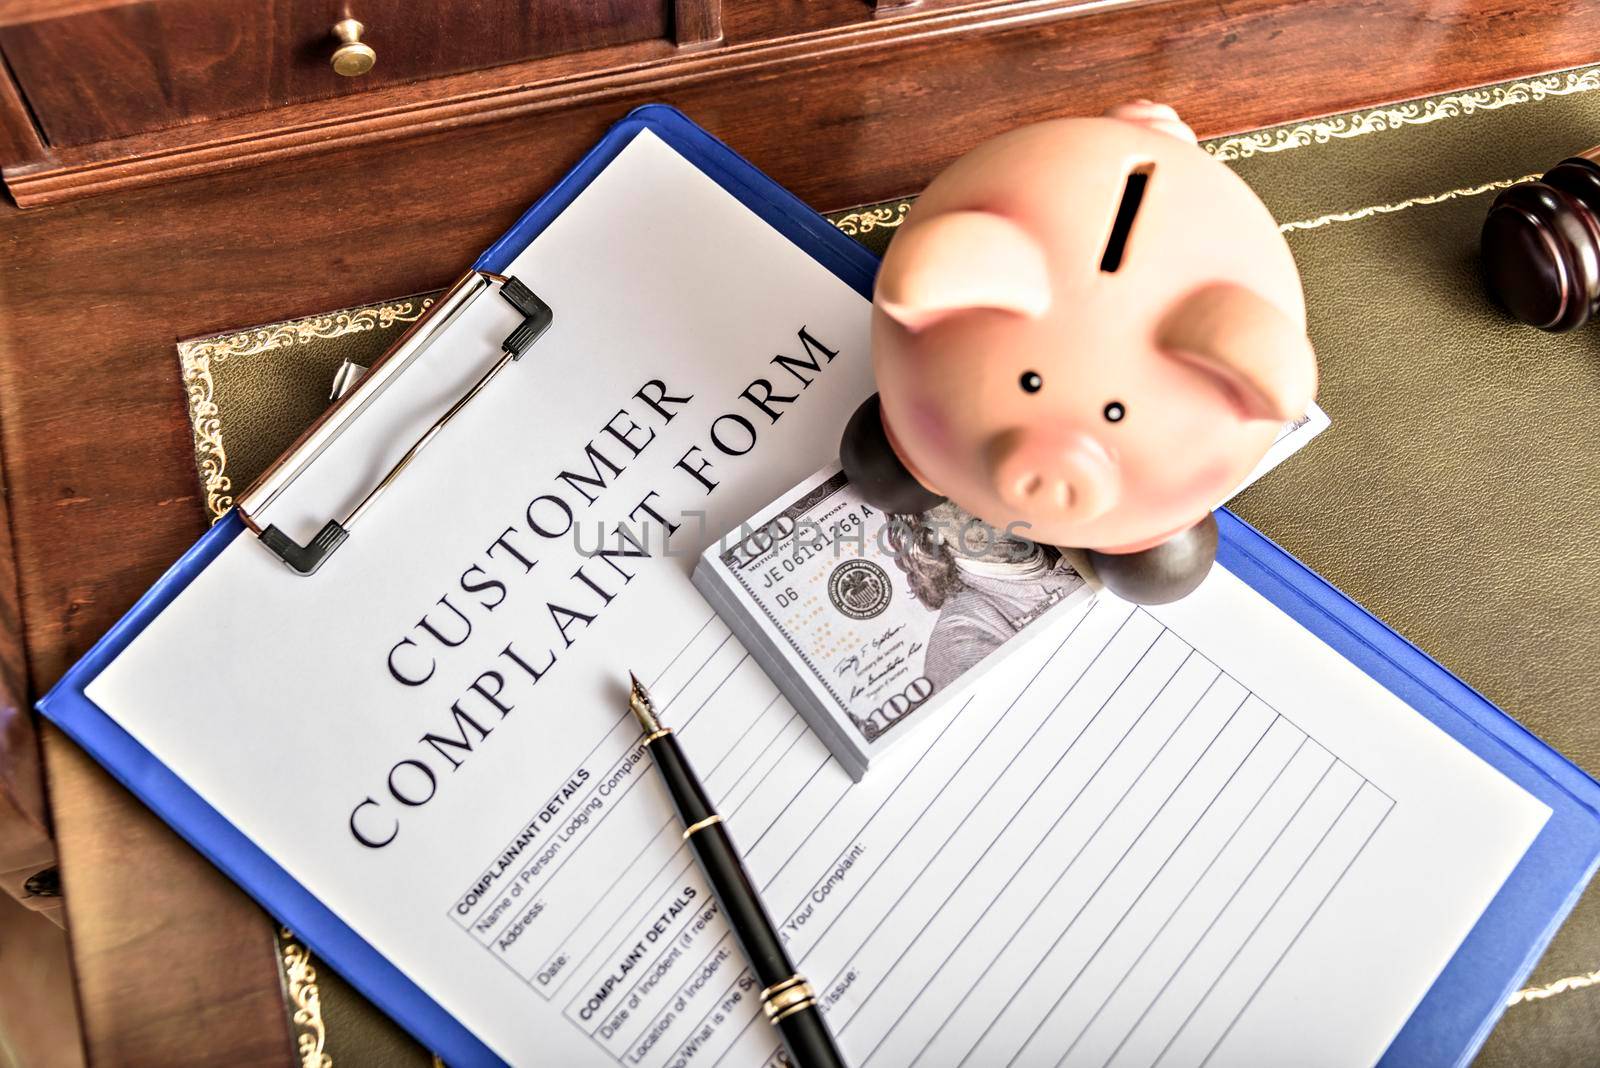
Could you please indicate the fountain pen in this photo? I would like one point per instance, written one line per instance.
(788, 1000)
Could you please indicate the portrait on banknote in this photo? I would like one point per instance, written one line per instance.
(985, 584)
(868, 621)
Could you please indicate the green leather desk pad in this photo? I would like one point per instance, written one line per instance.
(1457, 495)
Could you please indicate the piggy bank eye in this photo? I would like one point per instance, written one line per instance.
(1114, 412)
(1030, 382)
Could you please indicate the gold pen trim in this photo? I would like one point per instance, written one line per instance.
(791, 1010)
(789, 1001)
(662, 733)
(766, 994)
(701, 825)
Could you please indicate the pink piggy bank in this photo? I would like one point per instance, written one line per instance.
(1092, 328)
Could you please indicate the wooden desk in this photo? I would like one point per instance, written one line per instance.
(174, 966)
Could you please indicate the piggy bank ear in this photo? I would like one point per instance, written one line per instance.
(961, 260)
(1257, 355)
(1156, 116)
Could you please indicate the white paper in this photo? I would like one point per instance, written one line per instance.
(1293, 437)
(1160, 835)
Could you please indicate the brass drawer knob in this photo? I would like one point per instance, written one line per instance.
(351, 58)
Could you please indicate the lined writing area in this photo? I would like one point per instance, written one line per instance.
(1133, 815)
(1101, 858)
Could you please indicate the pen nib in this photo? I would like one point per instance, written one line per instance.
(643, 709)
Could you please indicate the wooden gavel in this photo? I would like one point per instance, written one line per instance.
(1541, 245)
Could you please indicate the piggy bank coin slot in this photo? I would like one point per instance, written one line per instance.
(1132, 195)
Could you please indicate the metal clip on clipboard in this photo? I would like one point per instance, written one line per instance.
(305, 559)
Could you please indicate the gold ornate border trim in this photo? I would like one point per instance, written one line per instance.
(1413, 113)
(311, 328)
(300, 976)
(1400, 205)
(1550, 990)
(210, 457)
(884, 216)
(198, 358)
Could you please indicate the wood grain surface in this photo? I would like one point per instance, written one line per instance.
(19, 137)
(149, 66)
(25, 845)
(14, 11)
(756, 35)
(174, 965)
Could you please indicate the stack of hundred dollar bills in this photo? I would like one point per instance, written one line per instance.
(870, 622)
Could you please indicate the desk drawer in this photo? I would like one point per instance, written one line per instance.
(149, 65)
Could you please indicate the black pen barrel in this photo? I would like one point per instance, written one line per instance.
(688, 796)
(808, 1040)
(788, 1001)
(769, 962)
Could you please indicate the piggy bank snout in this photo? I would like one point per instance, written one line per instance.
(1068, 477)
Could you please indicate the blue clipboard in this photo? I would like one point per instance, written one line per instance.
(1447, 1027)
